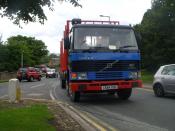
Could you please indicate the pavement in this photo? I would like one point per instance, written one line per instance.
(147, 85)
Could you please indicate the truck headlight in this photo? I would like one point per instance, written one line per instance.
(133, 75)
(82, 76)
(139, 75)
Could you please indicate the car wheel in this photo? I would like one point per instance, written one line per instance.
(158, 90)
(39, 79)
(31, 78)
(74, 96)
(124, 94)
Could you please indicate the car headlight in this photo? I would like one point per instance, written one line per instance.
(82, 76)
(134, 75)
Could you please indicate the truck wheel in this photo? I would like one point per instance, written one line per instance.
(67, 89)
(74, 96)
(63, 84)
(124, 94)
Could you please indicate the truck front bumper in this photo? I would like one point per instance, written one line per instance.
(98, 86)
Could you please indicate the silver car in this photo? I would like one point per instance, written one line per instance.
(164, 80)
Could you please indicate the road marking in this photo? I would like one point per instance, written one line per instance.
(149, 90)
(97, 123)
(54, 91)
(37, 85)
(101, 122)
(35, 94)
(3, 96)
(51, 95)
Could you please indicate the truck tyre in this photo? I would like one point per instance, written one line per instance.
(63, 84)
(124, 94)
(158, 90)
(74, 96)
(67, 89)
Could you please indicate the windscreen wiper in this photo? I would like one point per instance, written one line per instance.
(126, 46)
(99, 47)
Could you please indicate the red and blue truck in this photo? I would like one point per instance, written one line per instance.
(99, 56)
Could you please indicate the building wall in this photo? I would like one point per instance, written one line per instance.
(7, 75)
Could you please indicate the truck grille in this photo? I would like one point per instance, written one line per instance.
(109, 75)
(104, 65)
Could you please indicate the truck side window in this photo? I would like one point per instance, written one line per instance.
(71, 41)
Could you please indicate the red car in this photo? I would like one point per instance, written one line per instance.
(29, 73)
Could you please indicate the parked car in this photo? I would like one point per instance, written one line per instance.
(164, 80)
(51, 73)
(29, 73)
(38, 70)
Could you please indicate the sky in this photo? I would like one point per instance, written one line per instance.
(125, 11)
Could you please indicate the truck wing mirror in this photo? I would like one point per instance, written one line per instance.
(66, 43)
(138, 37)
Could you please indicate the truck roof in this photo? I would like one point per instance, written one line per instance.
(102, 25)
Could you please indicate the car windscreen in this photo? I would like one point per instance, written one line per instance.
(23, 69)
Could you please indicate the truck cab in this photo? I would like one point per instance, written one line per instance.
(99, 56)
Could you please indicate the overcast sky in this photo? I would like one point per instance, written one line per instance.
(125, 11)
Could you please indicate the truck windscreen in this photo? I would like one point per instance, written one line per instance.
(104, 38)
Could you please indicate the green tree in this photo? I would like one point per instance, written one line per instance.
(0, 39)
(158, 32)
(28, 10)
(3, 57)
(33, 52)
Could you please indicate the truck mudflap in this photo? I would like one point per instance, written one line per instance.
(95, 86)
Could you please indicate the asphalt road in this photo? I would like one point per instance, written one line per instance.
(143, 111)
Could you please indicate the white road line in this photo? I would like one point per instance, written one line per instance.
(35, 94)
(37, 85)
(55, 91)
(51, 95)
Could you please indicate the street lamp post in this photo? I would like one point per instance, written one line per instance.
(22, 58)
(106, 16)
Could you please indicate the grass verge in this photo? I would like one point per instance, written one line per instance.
(25, 117)
(147, 77)
(2, 81)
